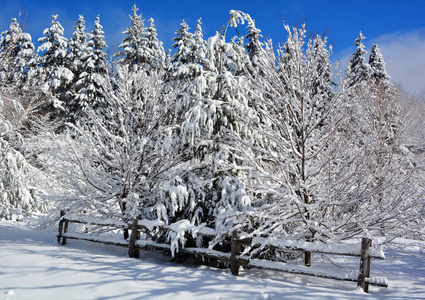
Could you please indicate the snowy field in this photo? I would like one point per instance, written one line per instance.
(34, 266)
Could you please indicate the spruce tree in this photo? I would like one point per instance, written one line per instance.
(77, 46)
(324, 77)
(133, 47)
(185, 68)
(94, 66)
(17, 55)
(183, 43)
(357, 70)
(98, 43)
(156, 57)
(9, 49)
(377, 64)
(199, 47)
(54, 49)
(254, 47)
(211, 183)
(79, 51)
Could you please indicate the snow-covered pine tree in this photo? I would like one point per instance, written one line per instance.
(257, 53)
(211, 187)
(183, 43)
(377, 65)
(9, 49)
(134, 49)
(177, 200)
(28, 62)
(254, 47)
(199, 47)
(98, 43)
(357, 70)
(357, 88)
(79, 51)
(54, 49)
(325, 79)
(94, 65)
(184, 68)
(156, 59)
(17, 55)
(77, 46)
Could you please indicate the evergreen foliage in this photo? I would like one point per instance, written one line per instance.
(134, 45)
(17, 55)
(357, 69)
(183, 43)
(377, 64)
(79, 51)
(56, 73)
(77, 46)
(94, 66)
(199, 47)
(210, 188)
(156, 57)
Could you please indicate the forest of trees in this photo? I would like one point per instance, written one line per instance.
(223, 132)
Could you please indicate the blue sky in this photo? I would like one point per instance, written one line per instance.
(397, 26)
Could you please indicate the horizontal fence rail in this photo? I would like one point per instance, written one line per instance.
(234, 257)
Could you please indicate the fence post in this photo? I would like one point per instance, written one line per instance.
(63, 228)
(132, 252)
(236, 250)
(62, 213)
(365, 264)
(307, 258)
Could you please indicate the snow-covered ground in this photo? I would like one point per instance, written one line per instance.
(34, 266)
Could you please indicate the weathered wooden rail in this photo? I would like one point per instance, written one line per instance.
(234, 258)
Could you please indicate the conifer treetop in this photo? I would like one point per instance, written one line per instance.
(377, 63)
(357, 69)
(134, 43)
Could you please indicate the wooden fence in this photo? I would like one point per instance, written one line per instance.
(234, 257)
